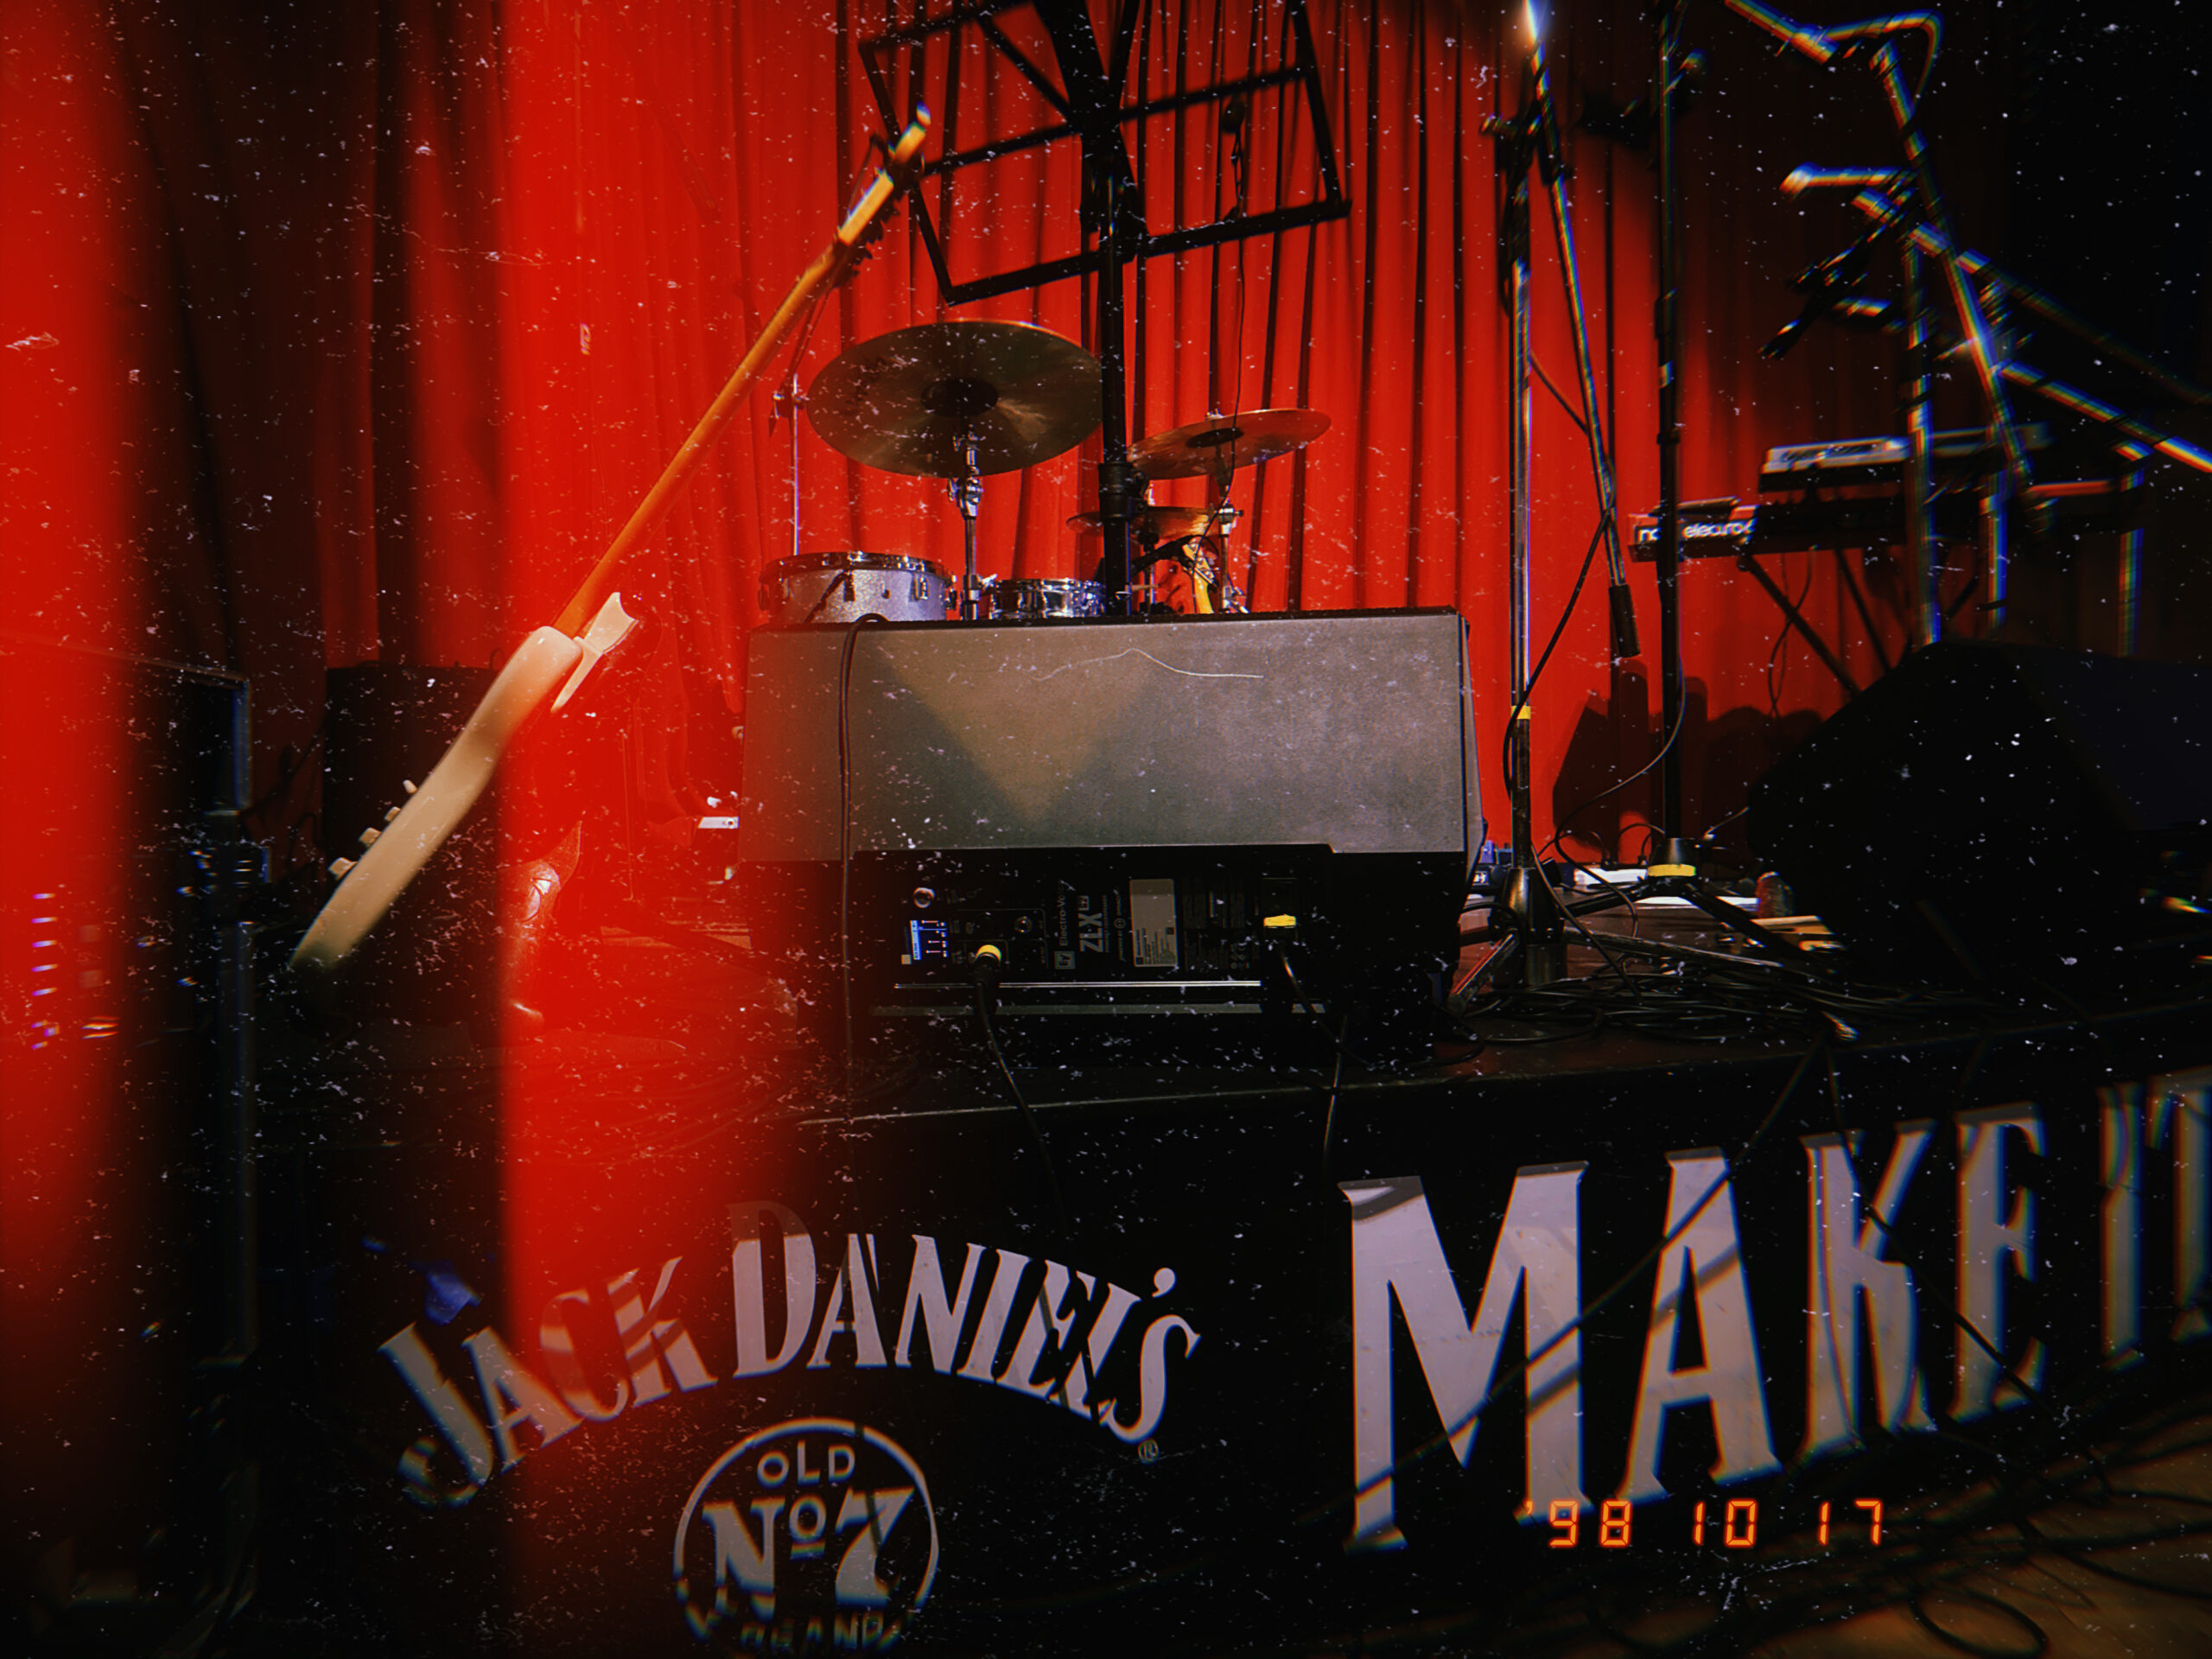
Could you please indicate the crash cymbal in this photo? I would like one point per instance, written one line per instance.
(1162, 522)
(904, 401)
(1220, 443)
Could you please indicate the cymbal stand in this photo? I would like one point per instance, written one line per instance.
(788, 402)
(966, 488)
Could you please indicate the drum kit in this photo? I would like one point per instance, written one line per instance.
(965, 400)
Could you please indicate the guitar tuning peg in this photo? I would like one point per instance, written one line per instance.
(407, 784)
(390, 816)
(370, 835)
(340, 865)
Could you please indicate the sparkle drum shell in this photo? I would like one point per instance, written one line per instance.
(839, 588)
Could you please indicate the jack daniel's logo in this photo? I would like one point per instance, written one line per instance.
(1052, 1334)
(814, 1534)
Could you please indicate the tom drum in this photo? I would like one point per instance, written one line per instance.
(839, 588)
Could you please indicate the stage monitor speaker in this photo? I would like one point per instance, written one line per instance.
(1117, 805)
(2004, 813)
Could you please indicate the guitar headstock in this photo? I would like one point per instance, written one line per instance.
(900, 168)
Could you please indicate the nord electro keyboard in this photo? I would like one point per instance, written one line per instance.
(1830, 496)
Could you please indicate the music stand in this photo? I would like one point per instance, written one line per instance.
(1089, 102)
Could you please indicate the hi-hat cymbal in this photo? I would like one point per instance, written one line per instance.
(905, 401)
(1220, 443)
(1162, 521)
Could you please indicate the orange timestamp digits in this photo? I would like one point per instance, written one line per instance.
(1737, 1528)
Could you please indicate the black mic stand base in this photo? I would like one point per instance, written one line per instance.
(1673, 875)
(1527, 910)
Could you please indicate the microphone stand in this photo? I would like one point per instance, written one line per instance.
(1927, 240)
(1876, 40)
(2140, 438)
(1921, 559)
(1666, 328)
(1551, 158)
(2006, 495)
(1830, 288)
(1528, 908)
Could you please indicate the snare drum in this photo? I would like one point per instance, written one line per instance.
(1032, 599)
(839, 588)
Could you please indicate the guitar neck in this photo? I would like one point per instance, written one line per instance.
(556, 656)
(816, 279)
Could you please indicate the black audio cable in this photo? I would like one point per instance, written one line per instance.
(845, 834)
(1280, 928)
(988, 964)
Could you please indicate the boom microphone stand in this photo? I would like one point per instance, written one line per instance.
(1529, 141)
(2006, 493)
(1878, 43)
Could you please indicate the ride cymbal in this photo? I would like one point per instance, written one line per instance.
(909, 401)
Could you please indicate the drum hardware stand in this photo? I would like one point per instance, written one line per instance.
(966, 488)
(789, 400)
(1118, 483)
(1204, 554)
(1209, 548)
(1209, 552)
(1213, 448)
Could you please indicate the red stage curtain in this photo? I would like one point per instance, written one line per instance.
(425, 293)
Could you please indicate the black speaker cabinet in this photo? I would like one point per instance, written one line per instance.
(131, 1293)
(2005, 812)
(1118, 806)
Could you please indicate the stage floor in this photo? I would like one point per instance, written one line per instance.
(1270, 1351)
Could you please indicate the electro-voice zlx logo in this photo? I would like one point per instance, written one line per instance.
(814, 1534)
